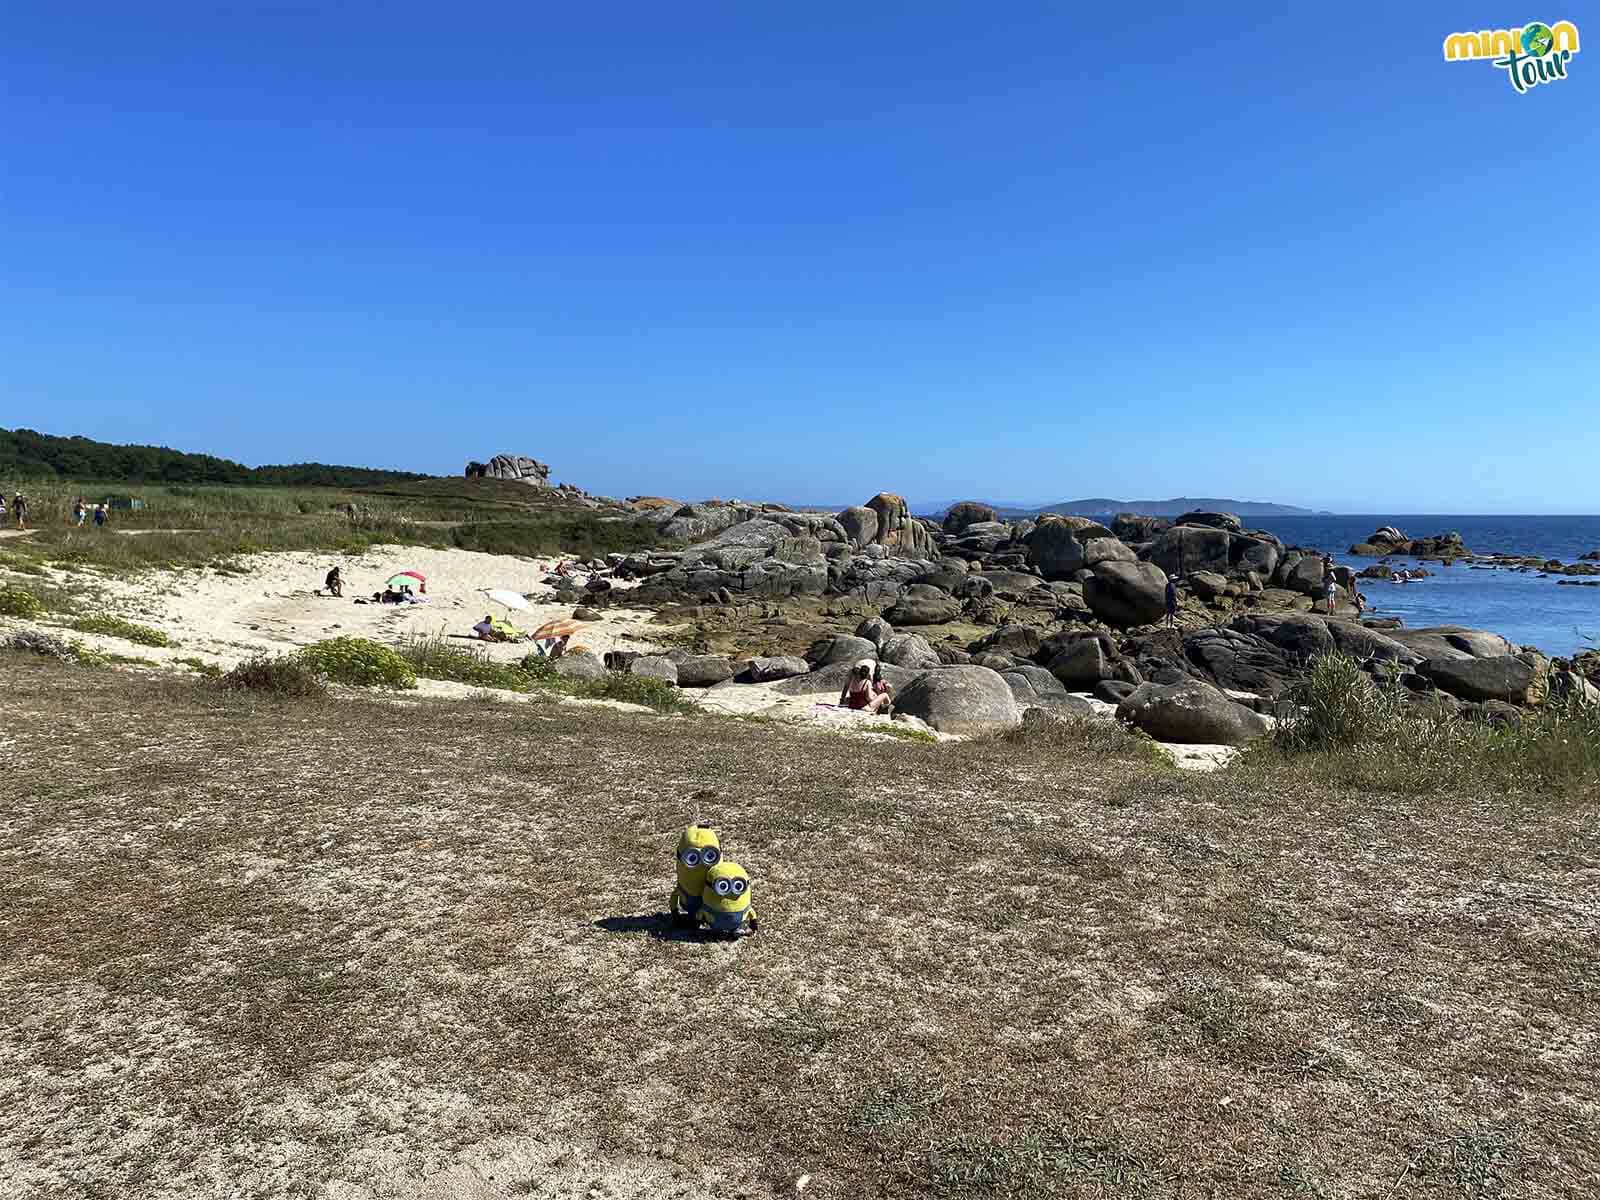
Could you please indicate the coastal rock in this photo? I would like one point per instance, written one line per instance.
(1240, 661)
(1083, 663)
(1124, 594)
(655, 666)
(1133, 527)
(921, 604)
(703, 670)
(898, 530)
(1190, 712)
(1185, 548)
(1105, 549)
(1452, 641)
(1208, 585)
(771, 668)
(839, 648)
(1053, 549)
(876, 630)
(1019, 641)
(518, 468)
(1113, 691)
(966, 513)
(695, 521)
(1011, 584)
(1508, 677)
(578, 664)
(961, 700)
(860, 525)
(909, 650)
(1216, 520)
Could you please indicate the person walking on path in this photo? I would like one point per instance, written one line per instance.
(19, 508)
(1172, 602)
(99, 516)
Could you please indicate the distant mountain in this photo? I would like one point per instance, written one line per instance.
(1099, 506)
(32, 455)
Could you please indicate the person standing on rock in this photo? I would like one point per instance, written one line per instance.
(1330, 586)
(1172, 602)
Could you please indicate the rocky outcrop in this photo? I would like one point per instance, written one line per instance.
(1133, 527)
(923, 604)
(578, 664)
(961, 700)
(839, 648)
(898, 531)
(1227, 551)
(1390, 541)
(772, 668)
(860, 524)
(1190, 712)
(1124, 593)
(909, 650)
(968, 512)
(656, 666)
(703, 670)
(518, 468)
(1511, 678)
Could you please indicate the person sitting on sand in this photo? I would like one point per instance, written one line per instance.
(334, 583)
(864, 693)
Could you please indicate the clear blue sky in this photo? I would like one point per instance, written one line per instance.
(812, 251)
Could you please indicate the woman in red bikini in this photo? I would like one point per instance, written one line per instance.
(864, 693)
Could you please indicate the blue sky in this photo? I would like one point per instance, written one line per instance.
(810, 252)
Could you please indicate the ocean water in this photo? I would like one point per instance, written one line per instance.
(1529, 610)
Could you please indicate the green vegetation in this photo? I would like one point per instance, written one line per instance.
(359, 662)
(18, 601)
(435, 658)
(200, 666)
(128, 631)
(186, 525)
(1352, 733)
(653, 693)
(287, 677)
(31, 455)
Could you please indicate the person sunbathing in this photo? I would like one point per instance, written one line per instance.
(864, 693)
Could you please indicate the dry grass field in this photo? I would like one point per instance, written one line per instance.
(379, 948)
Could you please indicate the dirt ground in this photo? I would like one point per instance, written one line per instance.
(413, 949)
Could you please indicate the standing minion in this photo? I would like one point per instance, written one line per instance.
(725, 903)
(698, 851)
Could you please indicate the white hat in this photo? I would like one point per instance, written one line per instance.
(867, 663)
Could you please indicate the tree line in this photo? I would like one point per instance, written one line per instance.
(27, 454)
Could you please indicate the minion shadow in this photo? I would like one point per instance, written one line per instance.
(657, 925)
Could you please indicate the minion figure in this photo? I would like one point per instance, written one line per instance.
(698, 851)
(725, 903)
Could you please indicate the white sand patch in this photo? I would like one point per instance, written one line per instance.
(273, 607)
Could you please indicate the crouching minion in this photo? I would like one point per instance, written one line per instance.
(699, 849)
(725, 903)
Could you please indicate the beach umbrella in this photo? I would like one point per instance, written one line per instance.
(560, 627)
(507, 597)
(407, 579)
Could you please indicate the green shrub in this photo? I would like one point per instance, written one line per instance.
(635, 689)
(1335, 704)
(285, 676)
(359, 662)
(128, 631)
(539, 667)
(18, 601)
(200, 666)
(435, 658)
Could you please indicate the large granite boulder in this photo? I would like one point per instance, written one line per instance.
(771, 668)
(1241, 661)
(898, 530)
(839, 648)
(1123, 593)
(1511, 678)
(1011, 583)
(1216, 520)
(518, 468)
(1185, 548)
(968, 512)
(695, 521)
(1019, 641)
(1083, 663)
(961, 700)
(1135, 527)
(876, 630)
(656, 666)
(1452, 641)
(909, 650)
(703, 670)
(578, 664)
(860, 525)
(1054, 549)
(923, 604)
(1191, 712)
(1105, 549)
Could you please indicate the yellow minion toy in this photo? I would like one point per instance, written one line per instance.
(698, 851)
(725, 903)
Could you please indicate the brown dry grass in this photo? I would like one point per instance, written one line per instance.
(382, 948)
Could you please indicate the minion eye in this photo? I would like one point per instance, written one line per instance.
(738, 887)
(722, 887)
(691, 858)
(710, 856)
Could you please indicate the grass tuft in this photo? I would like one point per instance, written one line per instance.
(128, 631)
(436, 658)
(19, 601)
(286, 676)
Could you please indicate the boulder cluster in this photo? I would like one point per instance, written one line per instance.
(1390, 541)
